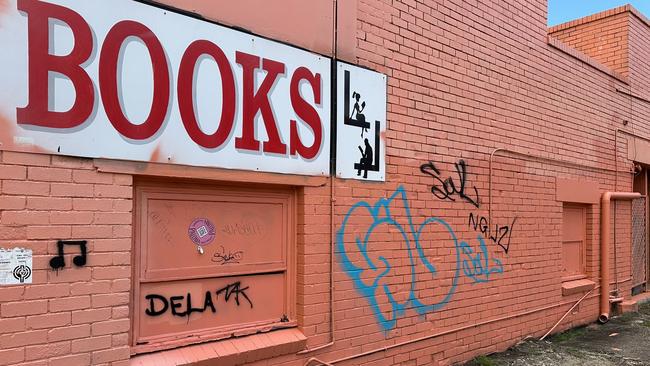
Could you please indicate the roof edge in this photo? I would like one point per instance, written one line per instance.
(598, 16)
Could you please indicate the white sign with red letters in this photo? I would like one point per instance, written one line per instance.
(124, 80)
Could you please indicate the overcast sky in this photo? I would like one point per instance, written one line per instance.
(561, 11)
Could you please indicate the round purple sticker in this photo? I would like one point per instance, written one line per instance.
(201, 231)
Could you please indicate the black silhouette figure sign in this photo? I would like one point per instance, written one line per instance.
(360, 117)
(79, 260)
(366, 159)
(354, 116)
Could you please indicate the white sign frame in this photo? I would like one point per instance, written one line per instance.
(360, 123)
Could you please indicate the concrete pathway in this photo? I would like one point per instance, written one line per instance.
(623, 341)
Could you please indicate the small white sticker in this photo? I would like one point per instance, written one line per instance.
(15, 266)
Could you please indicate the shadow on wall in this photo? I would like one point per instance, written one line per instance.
(366, 249)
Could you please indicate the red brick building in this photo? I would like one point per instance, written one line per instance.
(502, 139)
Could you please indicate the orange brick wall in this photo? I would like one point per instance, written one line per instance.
(74, 316)
(463, 80)
(603, 37)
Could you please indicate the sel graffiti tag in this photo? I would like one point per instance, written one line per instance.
(448, 186)
(371, 277)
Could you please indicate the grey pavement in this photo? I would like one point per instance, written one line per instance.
(623, 341)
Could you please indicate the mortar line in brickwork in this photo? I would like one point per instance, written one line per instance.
(443, 333)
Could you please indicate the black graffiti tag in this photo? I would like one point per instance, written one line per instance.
(501, 233)
(449, 188)
(234, 289)
(226, 258)
(182, 306)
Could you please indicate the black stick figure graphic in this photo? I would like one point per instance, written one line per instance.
(370, 156)
(366, 159)
(361, 118)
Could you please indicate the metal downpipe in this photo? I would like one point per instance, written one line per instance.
(605, 215)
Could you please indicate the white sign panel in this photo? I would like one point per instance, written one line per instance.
(15, 266)
(360, 123)
(124, 80)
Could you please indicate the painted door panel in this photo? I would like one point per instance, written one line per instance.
(240, 280)
(247, 233)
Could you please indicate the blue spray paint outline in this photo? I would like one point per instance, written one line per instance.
(475, 265)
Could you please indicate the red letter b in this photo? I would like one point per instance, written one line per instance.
(41, 62)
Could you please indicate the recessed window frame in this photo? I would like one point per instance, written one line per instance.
(288, 268)
(585, 242)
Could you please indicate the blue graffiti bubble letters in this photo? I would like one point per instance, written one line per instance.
(474, 265)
